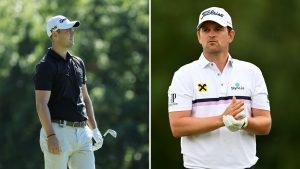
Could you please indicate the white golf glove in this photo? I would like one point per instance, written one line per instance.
(98, 139)
(234, 125)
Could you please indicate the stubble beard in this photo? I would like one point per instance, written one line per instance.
(70, 43)
(213, 51)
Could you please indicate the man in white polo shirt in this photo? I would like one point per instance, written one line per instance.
(217, 104)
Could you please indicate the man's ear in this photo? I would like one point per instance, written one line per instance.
(198, 36)
(231, 34)
(54, 34)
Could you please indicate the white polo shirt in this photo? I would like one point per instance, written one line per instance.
(202, 88)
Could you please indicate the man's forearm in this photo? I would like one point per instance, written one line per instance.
(45, 118)
(90, 113)
(187, 126)
(259, 125)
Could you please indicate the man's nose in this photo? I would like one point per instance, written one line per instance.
(212, 33)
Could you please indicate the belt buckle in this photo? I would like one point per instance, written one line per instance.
(62, 123)
(74, 123)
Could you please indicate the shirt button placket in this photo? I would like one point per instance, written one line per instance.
(222, 85)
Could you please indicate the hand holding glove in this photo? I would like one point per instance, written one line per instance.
(234, 125)
(98, 139)
(233, 117)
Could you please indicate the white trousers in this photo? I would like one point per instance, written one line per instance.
(76, 148)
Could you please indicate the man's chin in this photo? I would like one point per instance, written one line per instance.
(71, 44)
(213, 51)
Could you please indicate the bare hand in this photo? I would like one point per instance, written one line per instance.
(53, 145)
(240, 116)
(234, 108)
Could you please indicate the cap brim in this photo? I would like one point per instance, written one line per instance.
(77, 23)
(213, 19)
(69, 25)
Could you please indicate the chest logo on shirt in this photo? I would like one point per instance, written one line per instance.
(237, 86)
(202, 87)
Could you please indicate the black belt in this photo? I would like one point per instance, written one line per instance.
(69, 123)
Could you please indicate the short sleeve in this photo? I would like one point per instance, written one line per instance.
(259, 97)
(180, 92)
(84, 80)
(44, 74)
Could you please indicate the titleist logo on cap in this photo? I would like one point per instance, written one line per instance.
(62, 20)
(211, 12)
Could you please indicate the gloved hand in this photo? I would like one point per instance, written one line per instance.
(98, 139)
(234, 125)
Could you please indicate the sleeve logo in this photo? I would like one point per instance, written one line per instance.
(172, 98)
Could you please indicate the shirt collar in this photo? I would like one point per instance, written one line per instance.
(55, 55)
(204, 62)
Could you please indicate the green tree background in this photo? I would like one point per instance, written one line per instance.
(113, 41)
(267, 34)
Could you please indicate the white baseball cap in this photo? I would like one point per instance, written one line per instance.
(215, 14)
(60, 22)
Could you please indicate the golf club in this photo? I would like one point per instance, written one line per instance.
(112, 132)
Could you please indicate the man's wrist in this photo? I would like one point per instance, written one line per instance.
(96, 128)
(50, 135)
(48, 132)
(246, 120)
(221, 121)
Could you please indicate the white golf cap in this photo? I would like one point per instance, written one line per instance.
(60, 22)
(215, 14)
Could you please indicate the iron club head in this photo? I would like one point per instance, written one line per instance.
(112, 132)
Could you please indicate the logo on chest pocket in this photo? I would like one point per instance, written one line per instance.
(202, 87)
(237, 86)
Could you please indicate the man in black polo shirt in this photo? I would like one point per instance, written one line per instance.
(63, 103)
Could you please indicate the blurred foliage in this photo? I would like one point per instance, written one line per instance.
(113, 41)
(267, 34)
